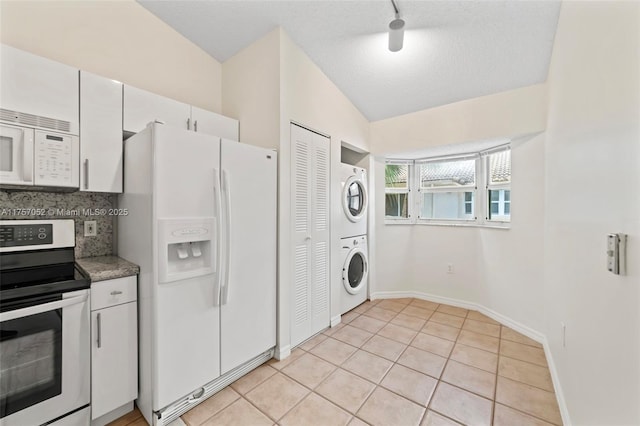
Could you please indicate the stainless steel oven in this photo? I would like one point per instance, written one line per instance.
(44, 326)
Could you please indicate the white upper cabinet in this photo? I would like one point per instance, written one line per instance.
(142, 107)
(214, 124)
(100, 134)
(38, 92)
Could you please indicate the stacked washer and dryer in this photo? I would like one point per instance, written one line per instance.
(353, 240)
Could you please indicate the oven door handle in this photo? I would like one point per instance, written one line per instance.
(38, 309)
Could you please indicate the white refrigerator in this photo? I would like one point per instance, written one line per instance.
(201, 224)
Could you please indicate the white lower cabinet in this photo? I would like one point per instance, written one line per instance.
(114, 345)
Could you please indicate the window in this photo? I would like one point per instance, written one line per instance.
(447, 189)
(396, 188)
(498, 167)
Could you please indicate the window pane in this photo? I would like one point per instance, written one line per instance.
(396, 176)
(397, 205)
(500, 167)
(499, 205)
(448, 173)
(447, 205)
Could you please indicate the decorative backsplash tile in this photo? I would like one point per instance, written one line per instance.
(79, 206)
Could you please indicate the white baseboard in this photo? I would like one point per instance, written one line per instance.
(282, 352)
(562, 403)
(517, 326)
(336, 320)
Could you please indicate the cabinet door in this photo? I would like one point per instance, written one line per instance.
(310, 221)
(100, 134)
(142, 107)
(114, 358)
(36, 86)
(214, 124)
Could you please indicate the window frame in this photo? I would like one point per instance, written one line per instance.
(481, 199)
(500, 220)
(399, 219)
(444, 189)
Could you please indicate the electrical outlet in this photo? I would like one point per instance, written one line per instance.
(90, 228)
(563, 331)
(449, 268)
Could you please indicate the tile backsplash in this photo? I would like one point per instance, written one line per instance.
(69, 205)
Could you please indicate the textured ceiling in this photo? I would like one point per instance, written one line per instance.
(453, 50)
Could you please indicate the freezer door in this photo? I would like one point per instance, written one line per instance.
(248, 301)
(186, 339)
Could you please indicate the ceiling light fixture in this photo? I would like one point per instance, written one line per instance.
(396, 31)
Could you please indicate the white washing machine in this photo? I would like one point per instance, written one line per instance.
(355, 268)
(354, 200)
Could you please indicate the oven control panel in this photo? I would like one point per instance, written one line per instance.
(25, 235)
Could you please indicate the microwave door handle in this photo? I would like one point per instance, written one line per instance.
(39, 309)
(27, 158)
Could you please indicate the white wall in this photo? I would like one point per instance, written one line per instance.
(251, 91)
(592, 173)
(512, 113)
(116, 39)
(511, 261)
(500, 269)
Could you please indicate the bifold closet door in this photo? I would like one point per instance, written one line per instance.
(310, 230)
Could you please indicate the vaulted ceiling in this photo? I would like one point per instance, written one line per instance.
(453, 50)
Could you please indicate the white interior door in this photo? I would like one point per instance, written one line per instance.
(248, 297)
(310, 311)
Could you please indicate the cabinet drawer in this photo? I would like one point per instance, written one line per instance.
(113, 292)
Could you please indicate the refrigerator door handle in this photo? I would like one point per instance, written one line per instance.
(227, 234)
(220, 269)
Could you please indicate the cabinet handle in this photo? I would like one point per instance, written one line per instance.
(116, 292)
(86, 173)
(188, 124)
(98, 339)
(195, 125)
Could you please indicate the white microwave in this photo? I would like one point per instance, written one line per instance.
(34, 159)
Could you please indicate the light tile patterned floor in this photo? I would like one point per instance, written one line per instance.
(394, 362)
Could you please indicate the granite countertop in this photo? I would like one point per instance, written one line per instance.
(102, 268)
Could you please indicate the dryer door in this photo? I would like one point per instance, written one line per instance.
(354, 199)
(354, 271)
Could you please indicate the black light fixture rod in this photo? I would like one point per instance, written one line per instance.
(395, 7)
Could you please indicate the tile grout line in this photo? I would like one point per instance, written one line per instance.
(495, 386)
(442, 374)
(395, 362)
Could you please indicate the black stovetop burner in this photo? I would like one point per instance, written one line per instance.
(38, 273)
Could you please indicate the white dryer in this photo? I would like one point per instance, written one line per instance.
(355, 268)
(354, 200)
